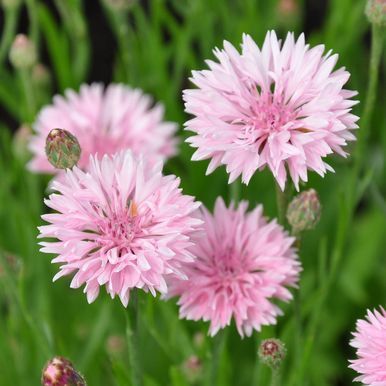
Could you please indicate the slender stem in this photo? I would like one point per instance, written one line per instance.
(28, 90)
(217, 349)
(121, 28)
(32, 9)
(281, 202)
(74, 21)
(42, 340)
(10, 24)
(234, 191)
(132, 336)
(375, 59)
(275, 378)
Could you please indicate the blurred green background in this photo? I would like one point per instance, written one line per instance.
(154, 45)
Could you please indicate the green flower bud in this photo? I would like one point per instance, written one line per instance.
(192, 369)
(62, 149)
(115, 345)
(41, 75)
(23, 53)
(10, 4)
(119, 5)
(59, 371)
(376, 12)
(9, 263)
(20, 141)
(272, 352)
(199, 340)
(304, 210)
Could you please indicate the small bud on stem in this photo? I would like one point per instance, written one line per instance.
(10, 4)
(304, 210)
(272, 352)
(376, 12)
(119, 5)
(23, 53)
(62, 149)
(41, 75)
(192, 369)
(59, 371)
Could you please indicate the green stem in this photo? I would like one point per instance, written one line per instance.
(10, 24)
(234, 191)
(365, 123)
(120, 27)
(33, 21)
(275, 378)
(25, 76)
(75, 23)
(281, 202)
(41, 339)
(218, 347)
(132, 336)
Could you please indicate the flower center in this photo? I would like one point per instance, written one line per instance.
(268, 115)
(227, 264)
(119, 230)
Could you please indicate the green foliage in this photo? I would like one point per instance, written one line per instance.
(157, 47)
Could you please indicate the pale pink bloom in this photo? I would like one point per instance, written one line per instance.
(122, 224)
(282, 107)
(105, 121)
(243, 263)
(370, 343)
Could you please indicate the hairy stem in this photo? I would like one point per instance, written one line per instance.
(9, 29)
(281, 202)
(275, 378)
(217, 349)
(132, 336)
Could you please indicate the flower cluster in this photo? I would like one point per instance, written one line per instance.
(118, 222)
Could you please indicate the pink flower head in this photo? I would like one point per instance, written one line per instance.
(370, 342)
(242, 263)
(121, 224)
(282, 106)
(105, 121)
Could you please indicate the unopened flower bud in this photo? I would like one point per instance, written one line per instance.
(62, 149)
(304, 210)
(119, 5)
(20, 141)
(272, 352)
(288, 13)
(192, 369)
(376, 12)
(287, 7)
(23, 52)
(9, 263)
(41, 76)
(10, 4)
(115, 344)
(199, 340)
(59, 371)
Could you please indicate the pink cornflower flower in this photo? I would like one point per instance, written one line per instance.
(122, 224)
(242, 263)
(105, 121)
(370, 343)
(281, 107)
